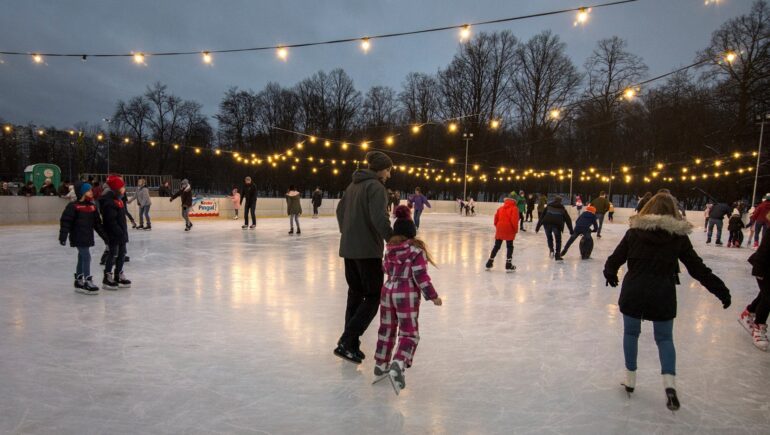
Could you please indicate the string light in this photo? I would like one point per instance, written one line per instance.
(327, 144)
(415, 129)
(41, 132)
(364, 145)
(344, 146)
(126, 140)
(452, 127)
(555, 114)
(452, 161)
(629, 93)
(37, 58)
(730, 57)
(582, 16)
(282, 53)
(365, 45)
(465, 32)
(389, 140)
(717, 163)
(197, 150)
(218, 152)
(494, 124)
(139, 58)
(7, 128)
(207, 59)
(312, 139)
(698, 161)
(176, 146)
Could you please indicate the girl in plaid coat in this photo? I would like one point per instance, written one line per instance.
(406, 266)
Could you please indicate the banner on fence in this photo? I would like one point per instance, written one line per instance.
(204, 207)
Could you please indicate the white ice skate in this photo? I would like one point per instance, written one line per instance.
(747, 321)
(396, 376)
(380, 374)
(759, 335)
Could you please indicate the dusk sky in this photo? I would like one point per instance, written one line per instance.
(62, 91)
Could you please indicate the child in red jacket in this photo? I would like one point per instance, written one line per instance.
(506, 227)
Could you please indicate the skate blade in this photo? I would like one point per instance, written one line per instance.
(394, 384)
(380, 378)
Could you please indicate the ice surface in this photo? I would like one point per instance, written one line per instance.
(232, 331)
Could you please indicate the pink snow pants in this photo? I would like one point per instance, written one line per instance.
(399, 312)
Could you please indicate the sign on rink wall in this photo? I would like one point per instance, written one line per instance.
(204, 207)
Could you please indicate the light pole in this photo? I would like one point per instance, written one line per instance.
(764, 118)
(467, 137)
(109, 138)
(570, 186)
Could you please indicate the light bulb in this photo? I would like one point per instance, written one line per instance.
(207, 59)
(282, 53)
(389, 140)
(629, 93)
(37, 58)
(415, 129)
(452, 127)
(465, 32)
(730, 57)
(582, 16)
(365, 45)
(139, 58)
(555, 114)
(494, 124)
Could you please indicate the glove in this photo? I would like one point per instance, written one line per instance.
(170, 200)
(63, 242)
(612, 280)
(726, 302)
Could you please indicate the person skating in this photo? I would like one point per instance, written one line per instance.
(471, 206)
(542, 203)
(578, 204)
(185, 192)
(364, 224)
(71, 195)
(165, 190)
(506, 226)
(583, 227)
(113, 211)
(602, 206)
(143, 201)
(406, 267)
(78, 222)
(760, 220)
(521, 204)
(396, 201)
(653, 246)
(317, 199)
(716, 219)
(555, 216)
(735, 227)
(235, 197)
(643, 201)
(611, 212)
(754, 317)
(530, 207)
(249, 196)
(418, 201)
(293, 208)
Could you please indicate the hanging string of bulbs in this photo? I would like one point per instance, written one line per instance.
(582, 14)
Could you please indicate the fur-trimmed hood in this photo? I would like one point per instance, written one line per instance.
(655, 222)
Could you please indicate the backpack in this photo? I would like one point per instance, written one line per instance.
(586, 247)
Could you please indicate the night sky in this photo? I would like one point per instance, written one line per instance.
(62, 91)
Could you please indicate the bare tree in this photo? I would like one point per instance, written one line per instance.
(419, 97)
(238, 119)
(165, 120)
(132, 118)
(380, 107)
(344, 99)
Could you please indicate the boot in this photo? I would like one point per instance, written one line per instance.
(140, 227)
(108, 283)
(759, 334)
(148, 227)
(630, 382)
(672, 401)
(120, 278)
(509, 267)
(490, 264)
(89, 288)
(79, 281)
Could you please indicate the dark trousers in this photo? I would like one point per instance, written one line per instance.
(521, 220)
(365, 278)
(540, 214)
(250, 209)
(508, 247)
(574, 236)
(553, 232)
(315, 210)
(760, 306)
(600, 218)
(715, 223)
(116, 257)
(736, 236)
(529, 215)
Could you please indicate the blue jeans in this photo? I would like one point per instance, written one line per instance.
(417, 214)
(294, 218)
(144, 211)
(712, 223)
(84, 262)
(600, 218)
(759, 227)
(664, 338)
(552, 232)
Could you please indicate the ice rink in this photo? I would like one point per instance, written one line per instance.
(232, 331)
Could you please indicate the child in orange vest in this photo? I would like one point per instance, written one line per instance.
(506, 228)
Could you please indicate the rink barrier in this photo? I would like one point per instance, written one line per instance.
(19, 210)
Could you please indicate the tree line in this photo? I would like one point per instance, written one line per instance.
(702, 112)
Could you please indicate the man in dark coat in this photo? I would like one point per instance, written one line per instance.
(249, 196)
(364, 224)
(716, 219)
(554, 218)
(602, 206)
(318, 196)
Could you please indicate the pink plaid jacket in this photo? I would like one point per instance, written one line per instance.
(406, 268)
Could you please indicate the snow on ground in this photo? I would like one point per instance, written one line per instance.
(232, 331)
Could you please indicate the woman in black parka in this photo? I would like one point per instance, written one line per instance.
(653, 246)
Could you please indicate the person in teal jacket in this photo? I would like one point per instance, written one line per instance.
(521, 204)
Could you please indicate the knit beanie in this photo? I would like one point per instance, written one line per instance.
(115, 182)
(591, 209)
(82, 188)
(404, 225)
(509, 198)
(378, 161)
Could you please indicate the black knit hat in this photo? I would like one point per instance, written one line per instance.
(404, 225)
(378, 161)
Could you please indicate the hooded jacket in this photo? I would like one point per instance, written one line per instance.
(293, 205)
(760, 259)
(362, 216)
(113, 217)
(142, 196)
(735, 223)
(585, 221)
(653, 247)
(318, 197)
(78, 222)
(760, 213)
(186, 194)
(555, 214)
(719, 211)
(406, 270)
(507, 221)
(249, 194)
(601, 204)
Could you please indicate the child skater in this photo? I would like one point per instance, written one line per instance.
(506, 227)
(78, 222)
(754, 317)
(236, 199)
(293, 208)
(735, 226)
(113, 211)
(653, 246)
(406, 268)
(583, 226)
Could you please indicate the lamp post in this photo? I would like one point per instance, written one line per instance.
(467, 137)
(108, 121)
(762, 119)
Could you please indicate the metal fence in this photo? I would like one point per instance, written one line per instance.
(153, 181)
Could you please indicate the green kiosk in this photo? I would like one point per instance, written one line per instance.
(40, 172)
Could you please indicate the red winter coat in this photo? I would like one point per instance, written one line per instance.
(507, 221)
(760, 213)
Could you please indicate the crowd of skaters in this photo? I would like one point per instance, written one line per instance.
(394, 283)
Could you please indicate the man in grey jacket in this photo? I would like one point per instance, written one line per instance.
(362, 215)
(142, 198)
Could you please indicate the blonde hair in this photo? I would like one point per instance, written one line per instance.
(661, 204)
(418, 243)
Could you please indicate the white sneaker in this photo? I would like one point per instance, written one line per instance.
(759, 334)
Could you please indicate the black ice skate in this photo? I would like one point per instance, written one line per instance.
(672, 402)
(298, 231)
(140, 227)
(120, 278)
(78, 282)
(630, 382)
(490, 264)
(89, 288)
(243, 227)
(148, 228)
(291, 231)
(509, 267)
(346, 354)
(108, 283)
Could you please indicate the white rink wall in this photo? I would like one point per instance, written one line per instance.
(18, 210)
